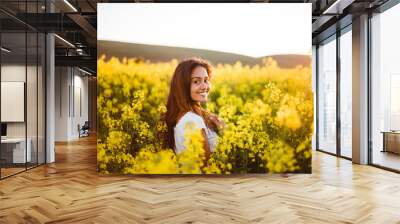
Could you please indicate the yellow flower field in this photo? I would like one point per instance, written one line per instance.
(268, 111)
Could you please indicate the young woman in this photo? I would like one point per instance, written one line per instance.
(190, 86)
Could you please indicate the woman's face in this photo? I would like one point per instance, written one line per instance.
(199, 85)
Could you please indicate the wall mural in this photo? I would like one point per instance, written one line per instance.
(183, 91)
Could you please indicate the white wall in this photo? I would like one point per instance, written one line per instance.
(62, 82)
(80, 110)
(14, 73)
(34, 124)
(71, 87)
(11, 73)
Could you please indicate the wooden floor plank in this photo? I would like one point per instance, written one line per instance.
(71, 191)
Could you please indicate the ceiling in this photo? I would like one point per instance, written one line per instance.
(76, 22)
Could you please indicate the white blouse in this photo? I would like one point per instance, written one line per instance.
(179, 131)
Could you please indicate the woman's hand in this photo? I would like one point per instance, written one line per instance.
(219, 123)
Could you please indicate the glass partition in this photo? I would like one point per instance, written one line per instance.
(14, 154)
(22, 88)
(41, 110)
(31, 97)
(385, 89)
(346, 93)
(327, 96)
(32, 84)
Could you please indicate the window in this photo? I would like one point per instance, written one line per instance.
(385, 88)
(346, 93)
(327, 96)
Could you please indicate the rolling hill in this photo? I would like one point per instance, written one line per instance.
(157, 53)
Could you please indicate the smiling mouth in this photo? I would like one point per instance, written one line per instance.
(203, 93)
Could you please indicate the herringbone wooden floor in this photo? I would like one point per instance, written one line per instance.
(70, 191)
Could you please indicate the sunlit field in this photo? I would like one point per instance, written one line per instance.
(268, 113)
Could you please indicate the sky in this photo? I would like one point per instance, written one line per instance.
(251, 29)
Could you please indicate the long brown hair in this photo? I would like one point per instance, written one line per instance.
(179, 100)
